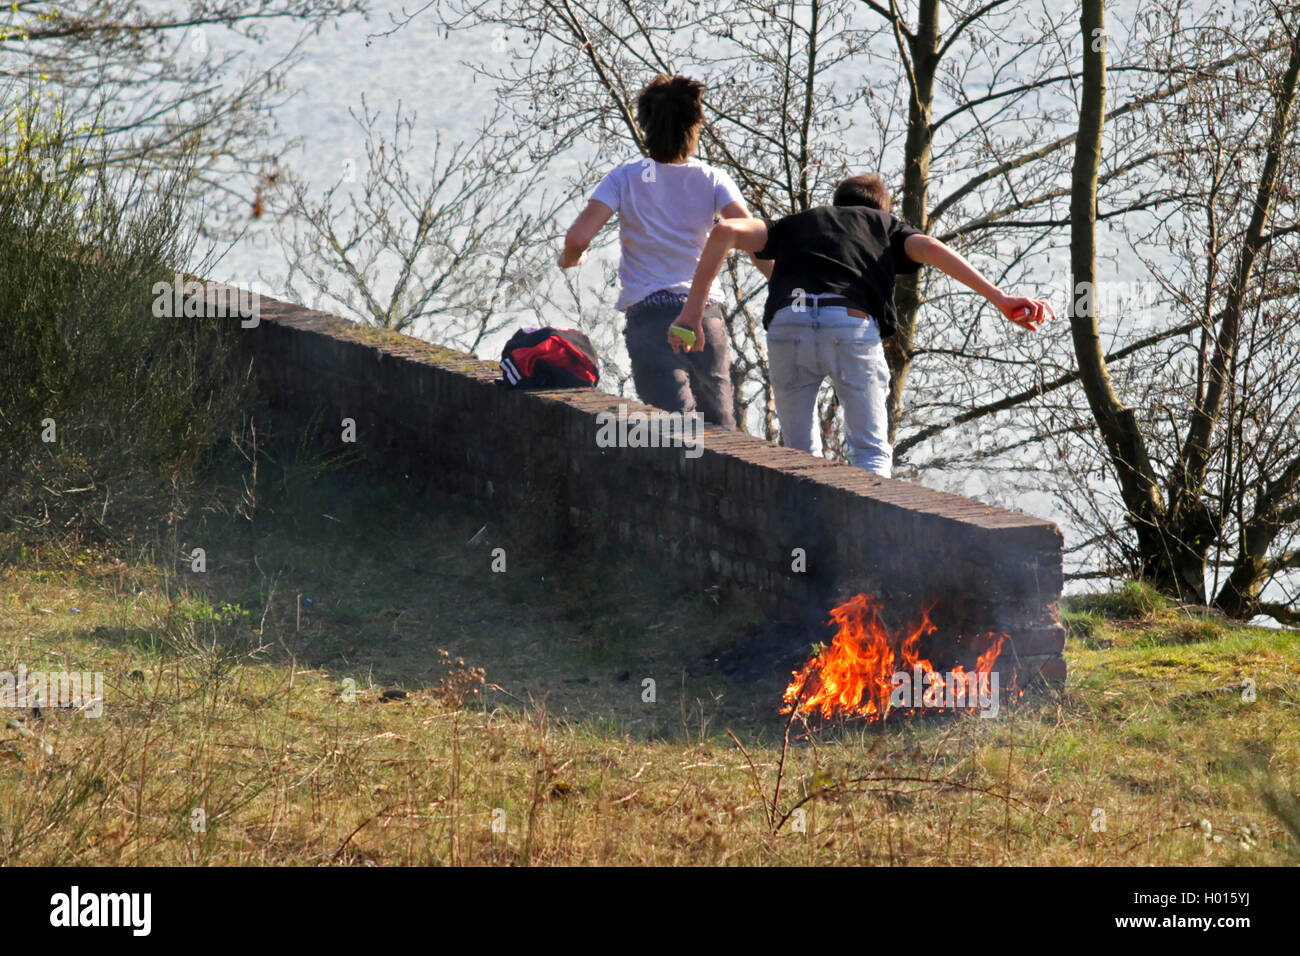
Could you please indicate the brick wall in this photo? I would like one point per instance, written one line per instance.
(733, 516)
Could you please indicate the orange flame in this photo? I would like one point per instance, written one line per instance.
(855, 674)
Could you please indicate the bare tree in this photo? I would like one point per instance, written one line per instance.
(1210, 465)
(447, 247)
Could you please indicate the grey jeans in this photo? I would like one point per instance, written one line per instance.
(680, 381)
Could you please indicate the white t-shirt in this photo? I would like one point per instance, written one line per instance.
(665, 211)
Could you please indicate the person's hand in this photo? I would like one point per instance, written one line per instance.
(694, 322)
(1026, 313)
(568, 261)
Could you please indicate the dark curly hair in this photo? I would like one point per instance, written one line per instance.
(670, 111)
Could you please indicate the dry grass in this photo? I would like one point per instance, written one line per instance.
(250, 718)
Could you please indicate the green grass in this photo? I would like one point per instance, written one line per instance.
(228, 693)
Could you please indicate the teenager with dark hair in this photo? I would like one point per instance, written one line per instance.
(666, 203)
(869, 191)
(830, 305)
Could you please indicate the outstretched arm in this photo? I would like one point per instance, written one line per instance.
(737, 210)
(583, 230)
(1027, 313)
(747, 234)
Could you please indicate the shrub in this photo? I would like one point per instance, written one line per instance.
(1134, 601)
(133, 403)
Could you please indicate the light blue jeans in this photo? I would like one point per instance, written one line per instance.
(803, 348)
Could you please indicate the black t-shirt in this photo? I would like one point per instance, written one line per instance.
(853, 251)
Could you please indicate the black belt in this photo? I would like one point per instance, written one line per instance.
(826, 298)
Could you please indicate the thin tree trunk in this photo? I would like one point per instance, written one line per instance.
(923, 53)
(1252, 569)
(1118, 425)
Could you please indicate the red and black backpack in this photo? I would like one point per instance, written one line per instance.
(549, 358)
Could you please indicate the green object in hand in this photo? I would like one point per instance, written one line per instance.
(686, 335)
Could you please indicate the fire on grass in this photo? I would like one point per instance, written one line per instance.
(867, 671)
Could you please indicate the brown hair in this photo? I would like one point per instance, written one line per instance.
(867, 191)
(670, 110)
